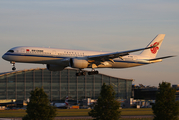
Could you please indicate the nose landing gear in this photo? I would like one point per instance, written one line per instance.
(13, 64)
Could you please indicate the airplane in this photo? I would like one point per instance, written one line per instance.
(58, 59)
(62, 105)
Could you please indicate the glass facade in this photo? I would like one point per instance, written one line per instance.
(17, 85)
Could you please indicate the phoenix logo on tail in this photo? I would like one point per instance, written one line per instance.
(155, 49)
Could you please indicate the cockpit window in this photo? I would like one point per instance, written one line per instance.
(11, 51)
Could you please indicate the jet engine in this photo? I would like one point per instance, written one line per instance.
(53, 67)
(78, 63)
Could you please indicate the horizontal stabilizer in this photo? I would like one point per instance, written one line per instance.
(161, 58)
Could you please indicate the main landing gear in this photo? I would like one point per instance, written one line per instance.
(80, 73)
(13, 66)
(93, 72)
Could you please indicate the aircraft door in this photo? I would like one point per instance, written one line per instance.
(22, 50)
(54, 53)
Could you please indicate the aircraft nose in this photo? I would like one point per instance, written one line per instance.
(4, 57)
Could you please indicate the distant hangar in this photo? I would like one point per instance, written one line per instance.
(18, 84)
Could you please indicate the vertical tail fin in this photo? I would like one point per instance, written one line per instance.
(153, 51)
(66, 101)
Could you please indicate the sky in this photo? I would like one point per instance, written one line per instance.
(99, 25)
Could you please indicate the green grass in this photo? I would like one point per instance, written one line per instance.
(79, 112)
(72, 112)
(136, 119)
(84, 112)
(12, 113)
(119, 119)
(134, 111)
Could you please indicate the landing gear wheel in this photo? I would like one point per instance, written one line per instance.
(81, 73)
(13, 64)
(93, 72)
(13, 68)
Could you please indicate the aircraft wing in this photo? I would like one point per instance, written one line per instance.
(110, 56)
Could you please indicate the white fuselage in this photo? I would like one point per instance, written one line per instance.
(58, 59)
(53, 56)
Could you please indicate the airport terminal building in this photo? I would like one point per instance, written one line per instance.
(18, 84)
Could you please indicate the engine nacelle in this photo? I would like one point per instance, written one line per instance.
(78, 63)
(53, 67)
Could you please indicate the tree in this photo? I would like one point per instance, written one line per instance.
(107, 108)
(165, 107)
(39, 107)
